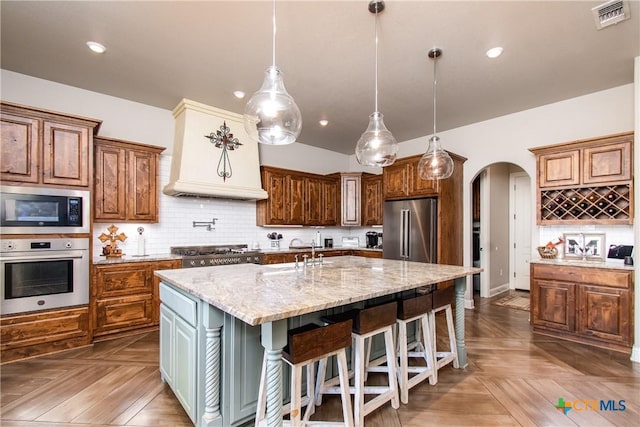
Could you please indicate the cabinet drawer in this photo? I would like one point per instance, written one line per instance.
(123, 313)
(594, 276)
(181, 304)
(125, 280)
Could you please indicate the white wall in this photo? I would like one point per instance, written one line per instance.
(498, 245)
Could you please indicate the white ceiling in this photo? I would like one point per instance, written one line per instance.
(161, 52)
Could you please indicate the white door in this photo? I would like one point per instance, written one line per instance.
(520, 230)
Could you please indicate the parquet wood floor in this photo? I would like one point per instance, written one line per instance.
(514, 378)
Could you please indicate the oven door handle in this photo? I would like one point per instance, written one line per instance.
(77, 255)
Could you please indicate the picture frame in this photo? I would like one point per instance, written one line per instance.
(588, 246)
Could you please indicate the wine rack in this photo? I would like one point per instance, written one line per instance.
(598, 205)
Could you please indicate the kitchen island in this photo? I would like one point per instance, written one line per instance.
(210, 298)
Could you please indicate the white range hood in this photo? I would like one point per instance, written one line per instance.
(195, 159)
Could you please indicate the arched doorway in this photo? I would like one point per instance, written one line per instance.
(501, 228)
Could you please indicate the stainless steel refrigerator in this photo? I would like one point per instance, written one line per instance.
(410, 230)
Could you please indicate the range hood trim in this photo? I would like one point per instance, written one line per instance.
(192, 173)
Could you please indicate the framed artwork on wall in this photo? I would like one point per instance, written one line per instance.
(590, 246)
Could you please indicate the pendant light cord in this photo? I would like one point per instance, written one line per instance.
(376, 60)
(273, 59)
(435, 58)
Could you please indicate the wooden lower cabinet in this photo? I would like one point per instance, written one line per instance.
(590, 305)
(33, 334)
(125, 297)
(281, 258)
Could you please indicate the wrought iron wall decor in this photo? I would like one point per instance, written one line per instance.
(224, 139)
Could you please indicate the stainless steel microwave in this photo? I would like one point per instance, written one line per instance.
(43, 210)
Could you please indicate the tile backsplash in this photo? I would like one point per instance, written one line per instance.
(615, 234)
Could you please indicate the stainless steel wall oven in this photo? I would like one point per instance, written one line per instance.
(43, 273)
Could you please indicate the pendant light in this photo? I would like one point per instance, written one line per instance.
(436, 162)
(376, 146)
(271, 116)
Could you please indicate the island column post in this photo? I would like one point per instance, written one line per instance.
(274, 339)
(460, 287)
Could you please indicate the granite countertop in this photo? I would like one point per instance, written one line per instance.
(615, 264)
(134, 258)
(259, 294)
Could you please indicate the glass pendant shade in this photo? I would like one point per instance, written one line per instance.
(271, 116)
(376, 146)
(436, 162)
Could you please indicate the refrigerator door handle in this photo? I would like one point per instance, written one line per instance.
(405, 226)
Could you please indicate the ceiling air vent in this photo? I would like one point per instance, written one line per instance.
(610, 13)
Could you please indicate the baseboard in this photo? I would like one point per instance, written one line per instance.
(498, 290)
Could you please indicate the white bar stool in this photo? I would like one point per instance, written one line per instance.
(367, 323)
(442, 302)
(305, 346)
(415, 309)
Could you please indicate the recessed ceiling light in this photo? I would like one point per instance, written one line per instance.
(494, 52)
(323, 122)
(238, 94)
(96, 47)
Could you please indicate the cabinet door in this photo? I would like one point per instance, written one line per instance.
(167, 328)
(351, 203)
(142, 199)
(559, 169)
(554, 305)
(419, 186)
(312, 201)
(295, 200)
(606, 164)
(243, 364)
(66, 153)
(110, 183)
(275, 209)
(329, 202)
(19, 149)
(372, 204)
(605, 313)
(395, 180)
(185, 363)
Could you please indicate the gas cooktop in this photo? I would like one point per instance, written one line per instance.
(213, 255)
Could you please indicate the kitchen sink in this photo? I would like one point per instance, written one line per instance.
(292, 265)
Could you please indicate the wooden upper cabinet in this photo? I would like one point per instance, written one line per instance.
(351, 187)
(20, 148)
(608, 163)
(296, 203)
(297, 198)
(586, 182)
(42, 147)
(110, 182)
(402, 180)
(66, 154)
(125, 185)
(395, 180)
(558, 169)
(372, 201)
(329, 201)
(273, 210)
(419, 186)
(598, 161)
(313, 210)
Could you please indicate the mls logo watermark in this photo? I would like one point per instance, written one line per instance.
(580, 405)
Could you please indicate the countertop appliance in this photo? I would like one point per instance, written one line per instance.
(328, 242)
(43, 273)
(203, 256)
(44, 210)
(410, 230)
(372, 239)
